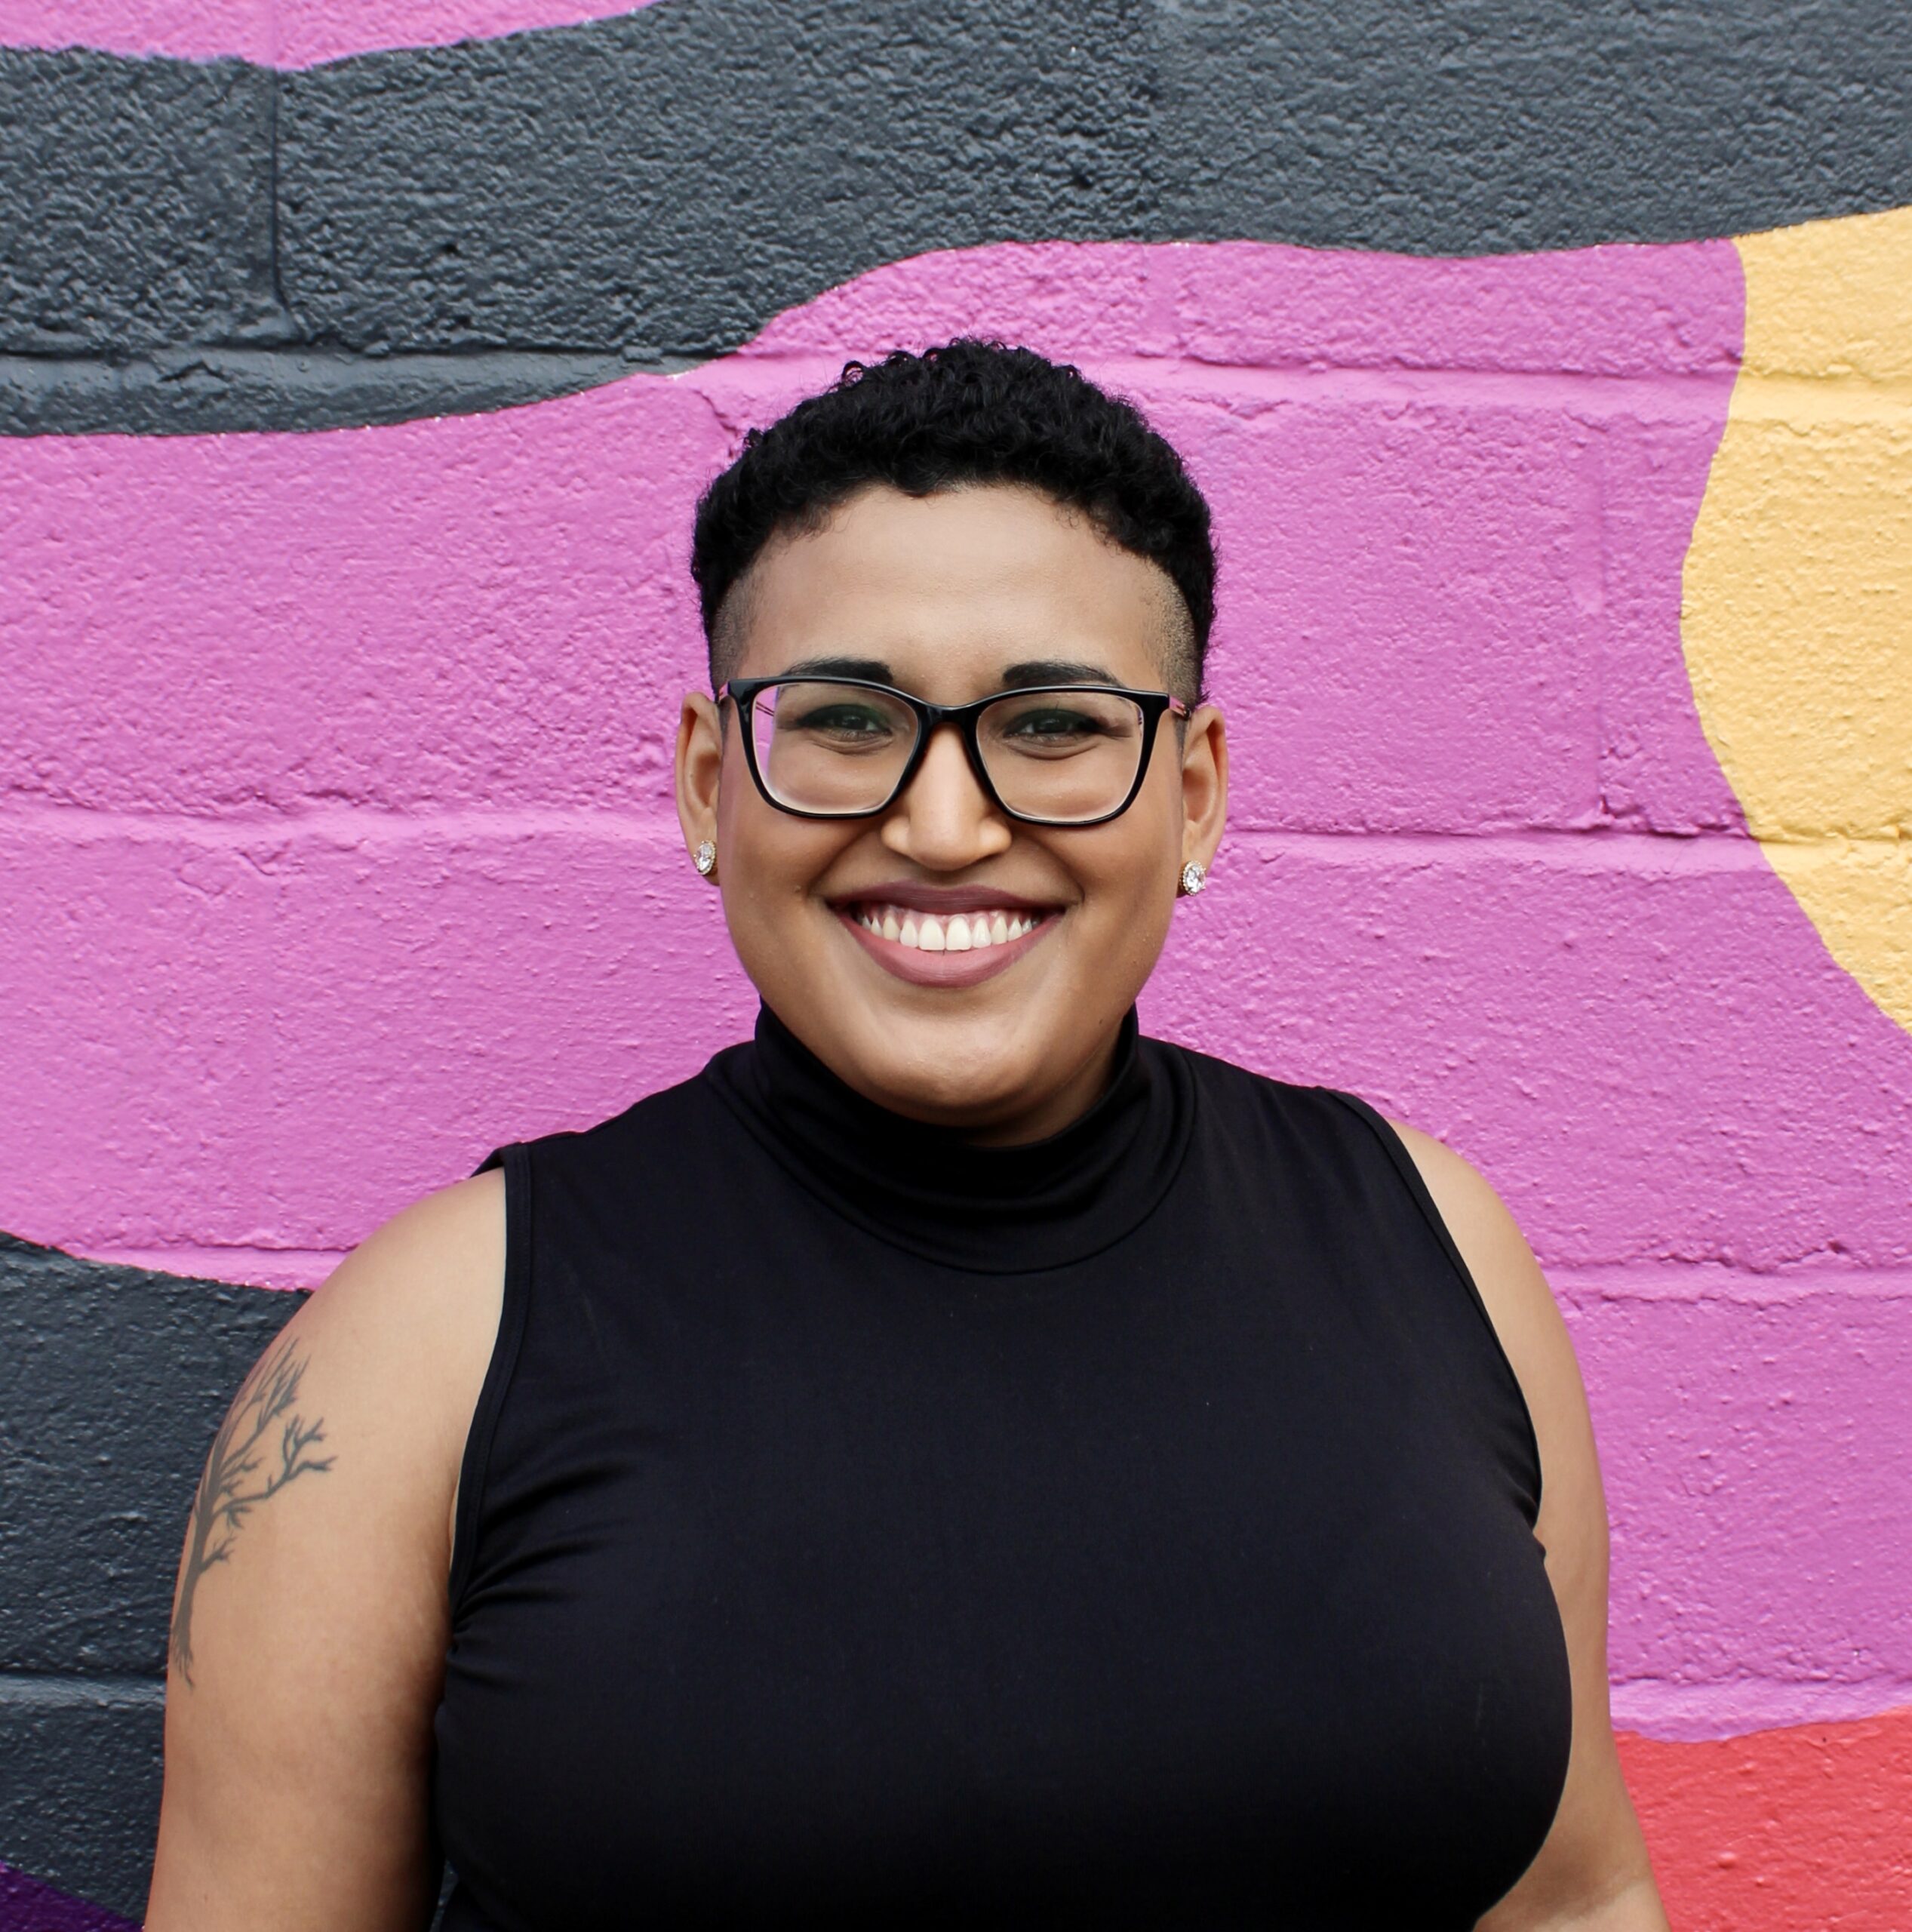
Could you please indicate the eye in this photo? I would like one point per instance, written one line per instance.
(1054, 721)
(1052, 728)
(847, 723)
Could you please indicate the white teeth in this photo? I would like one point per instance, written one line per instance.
(956, 932)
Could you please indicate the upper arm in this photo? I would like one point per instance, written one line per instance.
(311, 1614)
(1594, 1855)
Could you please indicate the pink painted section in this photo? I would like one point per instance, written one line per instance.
(1758, 1470)
(335, 846)
(488, 612)
(281, 33)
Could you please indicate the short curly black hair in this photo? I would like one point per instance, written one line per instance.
(969, 412)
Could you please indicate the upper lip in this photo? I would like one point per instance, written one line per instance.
(919, 898)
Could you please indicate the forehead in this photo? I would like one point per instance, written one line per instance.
(948, 589)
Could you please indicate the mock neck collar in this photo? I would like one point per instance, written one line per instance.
(991, 1209)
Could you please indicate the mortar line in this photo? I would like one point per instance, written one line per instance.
(54, 1690)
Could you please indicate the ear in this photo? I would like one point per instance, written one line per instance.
(1204, 785)
(699, 766)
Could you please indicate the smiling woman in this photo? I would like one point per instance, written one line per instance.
(955, 1462)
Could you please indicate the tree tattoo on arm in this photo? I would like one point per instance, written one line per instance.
(245, 1468)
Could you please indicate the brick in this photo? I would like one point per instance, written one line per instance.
(135, 203)
(277, 1037)
(1759, 1480)
(494, 609)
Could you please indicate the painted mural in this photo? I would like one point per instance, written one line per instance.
(1565, 634)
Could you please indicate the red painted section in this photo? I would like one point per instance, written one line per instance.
(1784, 1831)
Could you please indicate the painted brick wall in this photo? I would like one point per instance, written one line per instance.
(360, 392)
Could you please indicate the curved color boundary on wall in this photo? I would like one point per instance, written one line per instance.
(284, 34)
(195, 247)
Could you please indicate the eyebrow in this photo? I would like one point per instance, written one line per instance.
(1017, 677)
(1054, 671)
(872, 670)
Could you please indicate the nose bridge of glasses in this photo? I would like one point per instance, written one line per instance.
(947, 755)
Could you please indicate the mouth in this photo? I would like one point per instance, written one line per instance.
(962, 939)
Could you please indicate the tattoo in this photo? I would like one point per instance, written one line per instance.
(239, 1475)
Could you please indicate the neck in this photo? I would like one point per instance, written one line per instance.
(1035, 1187)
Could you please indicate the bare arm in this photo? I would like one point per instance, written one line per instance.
(1592, 1874)
(310, 1617)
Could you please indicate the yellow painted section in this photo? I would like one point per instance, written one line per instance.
(1797, 615)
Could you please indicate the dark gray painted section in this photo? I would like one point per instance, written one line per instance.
(136, 203)
(111, 1382)
(1481, 127)
(79, 1790)
(27, 1905)
(668, 181)
(545, 210)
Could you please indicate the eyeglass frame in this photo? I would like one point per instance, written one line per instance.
(930, 718)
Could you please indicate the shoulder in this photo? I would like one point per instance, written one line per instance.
(655, 1138)
(1335, 1126)
(1518, 1300)
(1236, 1094)
(1270, 1131)
(410, 1288)
(1532, 1334)
(396, 1343)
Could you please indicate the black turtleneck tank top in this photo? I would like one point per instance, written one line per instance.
(858, 1528)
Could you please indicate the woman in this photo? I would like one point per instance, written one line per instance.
(953, 1463)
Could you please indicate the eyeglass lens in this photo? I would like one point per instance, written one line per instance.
(1063, 756)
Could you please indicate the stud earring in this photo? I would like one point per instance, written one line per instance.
(704, 858)
(1193, 877)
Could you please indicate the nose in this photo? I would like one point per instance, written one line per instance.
(943, 820)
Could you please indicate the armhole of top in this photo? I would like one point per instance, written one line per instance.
(515, 1161)
(1378, 1125)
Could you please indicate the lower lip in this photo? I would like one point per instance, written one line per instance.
(944, 969)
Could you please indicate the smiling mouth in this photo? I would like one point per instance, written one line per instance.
(954, 946)
(974, 931)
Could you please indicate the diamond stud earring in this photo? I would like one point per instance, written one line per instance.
(704, 858)
(1193, 877)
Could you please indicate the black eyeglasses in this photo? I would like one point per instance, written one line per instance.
(1071, 754)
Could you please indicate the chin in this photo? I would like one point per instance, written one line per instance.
(956, 1069)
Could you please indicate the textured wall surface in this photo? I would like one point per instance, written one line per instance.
(1567, 586)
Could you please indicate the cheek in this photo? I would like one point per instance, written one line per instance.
(770, 866)
(1127, 876)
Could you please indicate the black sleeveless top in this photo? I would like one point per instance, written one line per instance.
(860, 1528)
